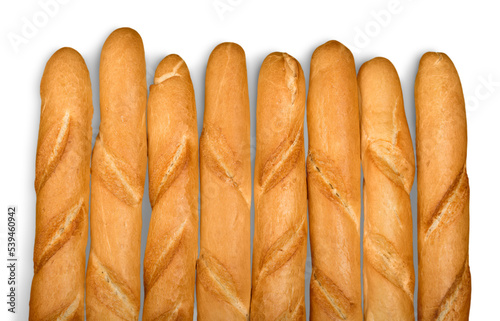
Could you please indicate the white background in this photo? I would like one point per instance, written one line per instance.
(401, 30)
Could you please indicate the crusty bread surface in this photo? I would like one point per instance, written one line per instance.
(333, 177)
(223, 268)
(118, 175)
(444, 289)
(280, 239)
(62, 180)
(172, 243)
(388, 170)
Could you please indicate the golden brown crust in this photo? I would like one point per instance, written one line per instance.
(172, 243)
(62, 185)
(118, 174)
(224, 275)
(388, 168)
(333, 169)
(443, 191)
(280, 240)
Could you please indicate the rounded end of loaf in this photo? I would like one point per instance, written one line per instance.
(171, 66)
(123, 42)
(376, 65)
(434, 59)
(436, 75)
(434, 64)
(383, 118)
(65, 54)
(280, 93)
(441, 125)
(282, 68)
(436, 68)
(125, 33)
(280, 96)
(332, 104)
(122, 65)
(378, 80)
(226, 49)
(66, 95)
(226, 91)
(65, 62)
(332, 49)
(283, 60)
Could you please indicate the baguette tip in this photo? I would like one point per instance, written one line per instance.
(171, 66)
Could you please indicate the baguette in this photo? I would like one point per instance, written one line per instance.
(62, 187)
(172, 243)
(388, 168)
(280, 239)
(118, 174)
(334, 177)
(224, 271)
(444, 291)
